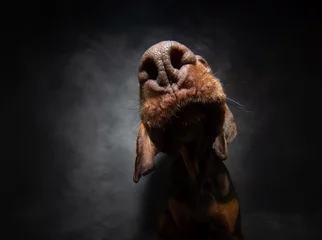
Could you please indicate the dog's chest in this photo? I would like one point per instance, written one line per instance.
(212, 185)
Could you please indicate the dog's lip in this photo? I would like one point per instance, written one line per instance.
(191, 113)
(193, 119)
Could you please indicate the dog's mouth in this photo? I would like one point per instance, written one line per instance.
(191, 123)
(192, 113)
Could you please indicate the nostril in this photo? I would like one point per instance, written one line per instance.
(180, 57)
(148, 70)
(176, 58)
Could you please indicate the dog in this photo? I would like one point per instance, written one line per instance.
(183, 113)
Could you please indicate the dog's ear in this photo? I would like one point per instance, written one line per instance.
(226, 135)
(220, 146)
(229, 127)
(145, 152)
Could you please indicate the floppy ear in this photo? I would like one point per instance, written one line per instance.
(229, 127)
(220, 146)
(226, 135)
(145, 152)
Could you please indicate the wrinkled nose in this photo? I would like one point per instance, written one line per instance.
(162, 62)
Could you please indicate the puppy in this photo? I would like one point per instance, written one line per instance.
(183, 113)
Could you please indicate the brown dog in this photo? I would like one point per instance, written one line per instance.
(184, 114)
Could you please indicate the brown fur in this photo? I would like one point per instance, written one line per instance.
(158, 106)
(202, 201)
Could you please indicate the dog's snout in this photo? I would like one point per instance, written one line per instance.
(163, 61)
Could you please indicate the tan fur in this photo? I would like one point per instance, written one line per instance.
(226, 213)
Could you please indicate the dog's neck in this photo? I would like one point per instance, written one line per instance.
(202, 176)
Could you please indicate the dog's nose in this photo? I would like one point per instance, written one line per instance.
(162, 62)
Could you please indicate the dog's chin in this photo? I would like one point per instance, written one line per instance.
(191, 115)
(188, 116)
(189, 124)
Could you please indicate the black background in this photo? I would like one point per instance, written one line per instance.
(70, 114)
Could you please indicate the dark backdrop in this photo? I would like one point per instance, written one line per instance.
(70, 114)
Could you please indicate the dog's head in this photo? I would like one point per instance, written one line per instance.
(181, 101)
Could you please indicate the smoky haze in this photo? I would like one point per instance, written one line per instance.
(74, 114)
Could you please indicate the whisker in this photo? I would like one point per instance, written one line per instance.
(240, 106)
(134, 99)
(133, 109)
(137, 126)
(217, 73)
